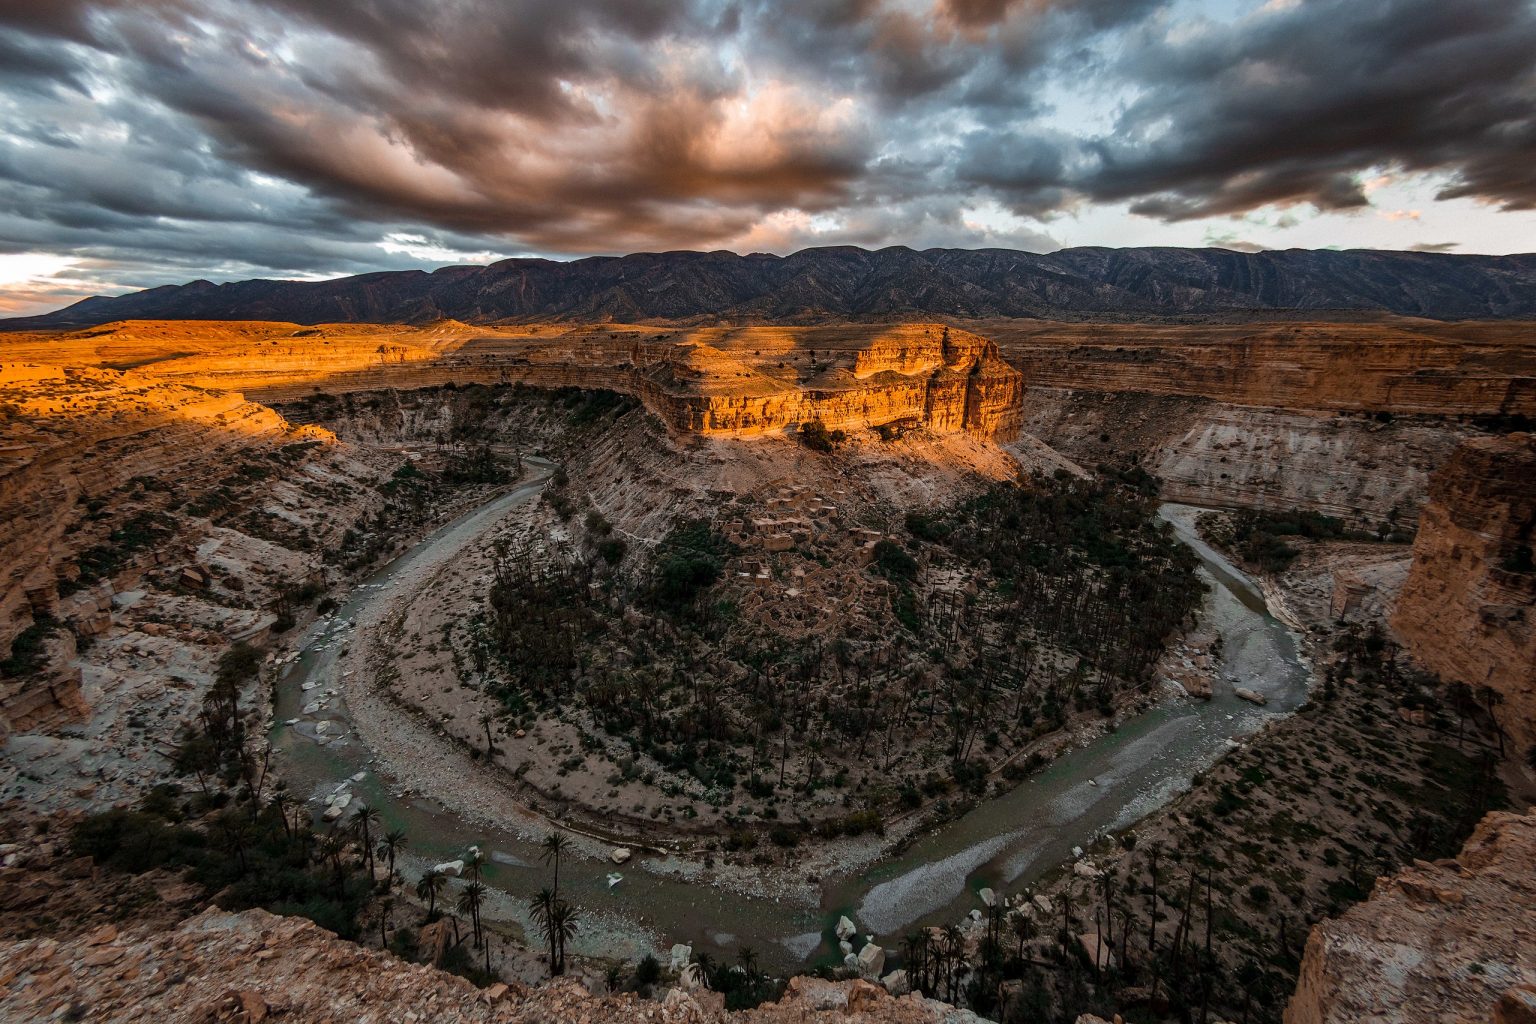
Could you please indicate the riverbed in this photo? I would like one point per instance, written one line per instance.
(1005, 842)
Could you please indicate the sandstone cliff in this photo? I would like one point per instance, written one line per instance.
(1397, 366)
(253, 966)
(1468, 609)
(1453, 940)
(741, 381)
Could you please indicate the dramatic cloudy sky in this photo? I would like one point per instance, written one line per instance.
(152, 141)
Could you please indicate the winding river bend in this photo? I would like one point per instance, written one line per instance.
(1004, 842)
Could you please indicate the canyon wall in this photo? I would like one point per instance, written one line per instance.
(1212, 453)
(1452, 940)
(110, 485)
(1347, 419)
(1395, 366)
(740, 381)
(1468, 609)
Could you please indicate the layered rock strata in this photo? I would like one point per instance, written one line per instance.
(1396, 366)
(1452, 940)
(737, 381)
(1468, 608)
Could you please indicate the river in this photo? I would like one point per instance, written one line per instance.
(1004, 842)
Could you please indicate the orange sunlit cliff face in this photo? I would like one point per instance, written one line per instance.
(738, 381)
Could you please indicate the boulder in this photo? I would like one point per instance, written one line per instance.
(1043, 903)
(988, 898)
(432, 940)
(845, 929)
(1251, 696)
(451, 868)
(845, 946)
(896, 983)
(682, 955)
(621, 855)
(1085, 869)
(864, 996)
(1516, 1006)
(1097, 950)
(871, 961)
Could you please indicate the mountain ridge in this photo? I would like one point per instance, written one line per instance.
(847, 282)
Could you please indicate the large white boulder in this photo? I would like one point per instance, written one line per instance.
(988, 898)
(620, 855)
(681, 955)
(845, 929)
(896, 983)
(871, 961)
(452, 868)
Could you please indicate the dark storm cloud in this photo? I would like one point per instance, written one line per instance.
(198, 137)
(1294, 106)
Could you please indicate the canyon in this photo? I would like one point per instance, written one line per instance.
(295, 452)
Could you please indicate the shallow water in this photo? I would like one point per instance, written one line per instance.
(1004, 842)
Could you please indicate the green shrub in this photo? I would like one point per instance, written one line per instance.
(815, 436)
(893, 562)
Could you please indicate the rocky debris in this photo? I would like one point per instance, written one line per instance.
(1468, 609)
(254, 966)
(1455, 939)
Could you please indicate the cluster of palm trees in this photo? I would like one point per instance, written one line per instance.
(555, 918)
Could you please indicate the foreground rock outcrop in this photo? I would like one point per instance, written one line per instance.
(1466, 611)
(254, 966)
(1449, 941)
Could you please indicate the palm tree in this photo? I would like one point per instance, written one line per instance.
(281, 801)
(384, 908)
(429, 886)
(392, 843)
(555, 844)
(474, 863)
(542, 908)
(470, 901)
(564, 920)
(1023, 930)
(954, 950)
(362, 820)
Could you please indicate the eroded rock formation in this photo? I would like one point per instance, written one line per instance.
(1452, 940)
(1468, 609)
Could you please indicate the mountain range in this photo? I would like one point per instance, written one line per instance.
(846, 282)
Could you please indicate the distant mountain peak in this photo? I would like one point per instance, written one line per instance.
(848, 282)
